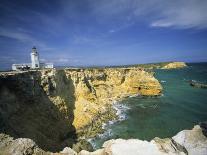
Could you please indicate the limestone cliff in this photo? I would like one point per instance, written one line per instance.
(55, 107)
(174, 65)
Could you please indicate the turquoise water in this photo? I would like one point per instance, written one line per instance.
(180, 107)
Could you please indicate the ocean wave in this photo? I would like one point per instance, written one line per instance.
(107, 133)
(121, 111)
(135, 95)
(162, 81)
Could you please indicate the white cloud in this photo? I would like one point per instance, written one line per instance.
(15, 35)
(183, 14)
(157, 13)
(63, 60)
(112, 31)
(24, 37)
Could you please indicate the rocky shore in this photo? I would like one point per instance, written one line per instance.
(186, 142)
(59, 108)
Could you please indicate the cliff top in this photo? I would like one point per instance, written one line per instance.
(149, 66)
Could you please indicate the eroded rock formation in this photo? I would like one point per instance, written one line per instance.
(55, 107)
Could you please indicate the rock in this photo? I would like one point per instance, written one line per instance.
(203, 126)
(197, 84)
(168, 145)
(174, 65)
(186, 142)
(20, 146)
(97, 152)
(82, 145)
(68, 151)
(193, 140)
(139, 147)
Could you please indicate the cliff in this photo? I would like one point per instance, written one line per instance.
(174, 65)
(186, 142)
(57, 107)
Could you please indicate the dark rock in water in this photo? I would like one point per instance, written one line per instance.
(203, 126)
(197, 84)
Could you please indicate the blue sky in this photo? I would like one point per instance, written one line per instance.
(103, 32)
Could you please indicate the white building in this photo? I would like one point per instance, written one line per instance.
(35, 63)
(35, 59)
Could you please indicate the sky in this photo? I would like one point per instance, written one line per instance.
(103, 32)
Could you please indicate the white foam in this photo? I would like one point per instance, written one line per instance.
(107, 133)
(121, 113)
(135, 95)
(104, 125)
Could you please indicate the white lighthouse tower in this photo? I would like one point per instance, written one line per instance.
(35, 58)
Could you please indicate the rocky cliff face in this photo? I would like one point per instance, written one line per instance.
(55, 107)
(26, 110)
(174, 65)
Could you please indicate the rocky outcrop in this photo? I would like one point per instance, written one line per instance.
(25, 146)
(20, 146)
(57, 107)
(174, 65)
(198, 84)
(186, 142)
(194, 141)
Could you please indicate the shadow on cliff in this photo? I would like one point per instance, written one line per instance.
(26, 110)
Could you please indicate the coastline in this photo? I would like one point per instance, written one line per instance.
(185, 142)
(92, 91)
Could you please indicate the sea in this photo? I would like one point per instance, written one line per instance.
(180, 107)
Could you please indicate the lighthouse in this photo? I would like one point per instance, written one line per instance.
(35, 64)
(35, 58)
